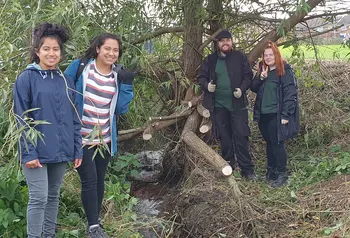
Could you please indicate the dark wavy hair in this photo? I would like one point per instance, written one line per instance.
(43, 31)
(98, 42)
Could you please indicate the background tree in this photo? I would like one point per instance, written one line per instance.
(165, 43)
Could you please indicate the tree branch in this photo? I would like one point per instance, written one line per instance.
(308, 36)
(297, 17)
(326, 15)
(158, 32)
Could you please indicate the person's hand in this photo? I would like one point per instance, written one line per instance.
(237, 93)
(33, 164)
(77, 162)
(211, 87)
(263, 74)
(284, 121)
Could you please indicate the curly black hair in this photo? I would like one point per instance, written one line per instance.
(43, 31)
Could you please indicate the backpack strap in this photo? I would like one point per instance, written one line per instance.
(118, 67)
(83, 62)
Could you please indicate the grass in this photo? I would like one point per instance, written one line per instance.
(326, 52)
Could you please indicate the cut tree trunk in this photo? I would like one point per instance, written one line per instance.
(203, 111)
(192, 123)
(196, 144)
(155, 126)
(205, 125)
(176, 116)
(195, 100)
(128, 134)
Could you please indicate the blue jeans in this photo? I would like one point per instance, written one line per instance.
(44, 190)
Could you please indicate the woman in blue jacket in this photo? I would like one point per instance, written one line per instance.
(105, 91)
(276, 110)
(43, 88)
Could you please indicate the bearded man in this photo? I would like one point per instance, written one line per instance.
(225, 76)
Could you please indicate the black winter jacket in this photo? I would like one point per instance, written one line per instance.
(239, 72)
(287, 103)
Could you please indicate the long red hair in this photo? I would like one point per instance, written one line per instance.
(279, 61)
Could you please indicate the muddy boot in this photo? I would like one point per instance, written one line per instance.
(271, 175)
(280, 181)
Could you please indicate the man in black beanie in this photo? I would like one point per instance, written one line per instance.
(225, 76)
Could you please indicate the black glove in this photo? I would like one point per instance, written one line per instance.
(126, 77)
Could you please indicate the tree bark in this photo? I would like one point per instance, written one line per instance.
(192, 123)
(215, 10)
(183, 113)
(192, 57)
(196, 144)
(203, 111)
(128, 134)
(195, 100)
(155, 126)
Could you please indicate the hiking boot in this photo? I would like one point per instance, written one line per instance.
(280, 181)
(271, 174)
(250, 177)
(88, 227)
(97, 232)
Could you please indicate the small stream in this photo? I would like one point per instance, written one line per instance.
(150, 192)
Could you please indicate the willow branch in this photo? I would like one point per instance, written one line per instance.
(158, 32)
(308, 36)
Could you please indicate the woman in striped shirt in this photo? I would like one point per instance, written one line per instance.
(105, 93)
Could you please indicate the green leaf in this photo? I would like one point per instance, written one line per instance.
(30, 110)
(134, 173)
(95, 153)
(133, 217)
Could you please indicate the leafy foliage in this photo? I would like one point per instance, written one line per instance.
(13, 201)
(159, 65)
(118, 188)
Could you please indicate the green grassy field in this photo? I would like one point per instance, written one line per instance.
(328, 52)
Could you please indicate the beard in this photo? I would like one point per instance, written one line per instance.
(225, 48)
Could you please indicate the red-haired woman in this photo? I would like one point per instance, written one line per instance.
(276, 110)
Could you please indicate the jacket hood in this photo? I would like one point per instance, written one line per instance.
(44, 73)
(34, 66)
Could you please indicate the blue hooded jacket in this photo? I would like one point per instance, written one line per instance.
(47, 90)
(120, 101)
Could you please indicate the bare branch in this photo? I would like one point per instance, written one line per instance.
(308, 36)
(297, 17)
(158, 32)
(329, 14)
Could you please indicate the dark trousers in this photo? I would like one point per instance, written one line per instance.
(275, 150)
(234, 134)
(92, 173)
